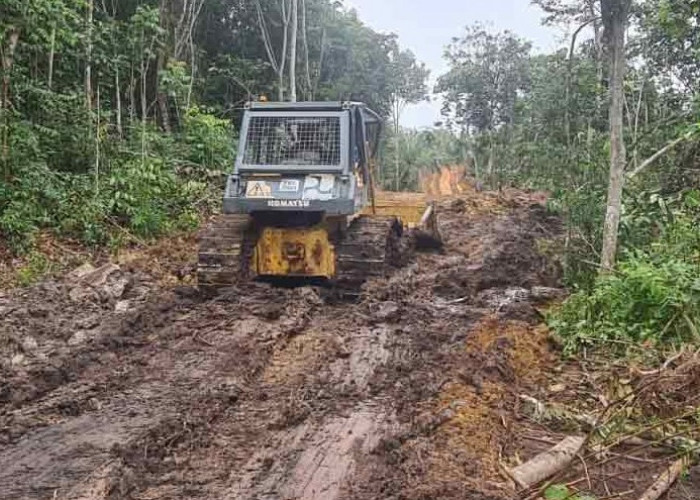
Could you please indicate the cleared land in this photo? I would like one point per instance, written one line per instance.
(116, 385)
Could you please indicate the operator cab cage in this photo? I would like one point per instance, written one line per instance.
(330, 137)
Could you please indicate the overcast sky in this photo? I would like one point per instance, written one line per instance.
(427, 26)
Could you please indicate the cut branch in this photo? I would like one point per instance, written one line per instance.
(664, 481)
(548, 463)
(668, 147)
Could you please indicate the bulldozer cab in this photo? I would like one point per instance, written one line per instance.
(304, 157)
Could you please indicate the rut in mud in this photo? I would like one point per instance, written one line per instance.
(114, 387)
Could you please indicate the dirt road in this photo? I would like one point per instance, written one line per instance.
(132, 390)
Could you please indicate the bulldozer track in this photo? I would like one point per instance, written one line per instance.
(225, 249)
(370, 248)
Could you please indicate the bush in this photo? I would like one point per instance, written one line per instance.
(208, 140)
(649, 300)
(149, 184)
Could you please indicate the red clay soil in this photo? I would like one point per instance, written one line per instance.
(132, 390)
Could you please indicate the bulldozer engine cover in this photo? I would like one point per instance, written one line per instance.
(295, 252)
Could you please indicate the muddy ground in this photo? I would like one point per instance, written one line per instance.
(116, 385)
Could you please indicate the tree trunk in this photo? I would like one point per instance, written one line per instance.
(492, 153)
(321, 58)
(162, 97)
(132, 96)
(118, 96)
(144, 99)
(8, 57)
(7, 63)
(398, 159)
(599, 56)
(637, 113)
(52, 55)
(397, 140)
(285, 45)
(88, 65)
(279, 65)
(293, 52)
(548, 463)
(97, 145)
(162, 63)
(305, 42)
(615, 19)
(569, 80)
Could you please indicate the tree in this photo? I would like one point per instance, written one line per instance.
(408, 85)
(670, 37)
(356, 63)
(581, 14)
(277, 58)
(293, 52)
(83, 82)
(615, 14)
(487, 72)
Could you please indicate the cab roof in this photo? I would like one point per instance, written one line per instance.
(315, 106)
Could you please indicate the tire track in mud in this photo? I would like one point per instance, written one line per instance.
(79, 454)
(315, 459)
(75, 447)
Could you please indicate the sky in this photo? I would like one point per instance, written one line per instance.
(427, 26)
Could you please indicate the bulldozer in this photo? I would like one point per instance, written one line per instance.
(301, 202)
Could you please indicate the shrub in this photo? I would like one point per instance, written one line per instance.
(649, 300)
(151, 183)
(208, 140)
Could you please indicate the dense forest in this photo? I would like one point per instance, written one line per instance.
(117, 123)
(122, 115)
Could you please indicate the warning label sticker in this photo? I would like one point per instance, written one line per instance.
(289, 186)
(258, 189)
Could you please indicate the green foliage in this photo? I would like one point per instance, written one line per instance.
(36, 265)
(486, 73)
(651, 299)
(208, 141)
(563, 492)
(418, 151)
(141, 147)
(542, 122)
(671, 38)
(654, 296)
(148, 193)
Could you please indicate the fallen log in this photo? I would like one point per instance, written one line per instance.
(664, 481)
(548, 463)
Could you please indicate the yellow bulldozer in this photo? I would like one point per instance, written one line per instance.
(301, 202)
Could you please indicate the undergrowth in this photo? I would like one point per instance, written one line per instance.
(652, 299)
(145, 186)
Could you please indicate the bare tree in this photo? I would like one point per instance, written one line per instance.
(88, 65)
(305, 42)
(184, 39)
(277, 61)
(184, 28)
(52, 55)
(293, 52)
(569, 77)
(582, 14)
(615, 14)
